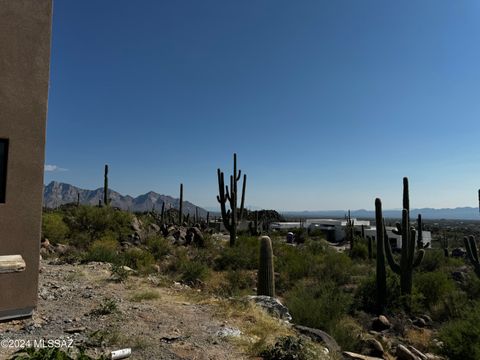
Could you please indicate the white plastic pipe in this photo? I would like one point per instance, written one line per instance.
(121, 354)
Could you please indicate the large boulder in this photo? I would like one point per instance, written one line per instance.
(195, 236)
(381, 323)
(319, 336)
(272, 306)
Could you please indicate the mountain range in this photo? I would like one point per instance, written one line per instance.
(57, 193)
(459, 213)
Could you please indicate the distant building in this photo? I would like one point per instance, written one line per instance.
(25, 32)
(334, 229)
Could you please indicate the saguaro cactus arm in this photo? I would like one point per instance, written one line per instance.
(472, 253)
(388, 252)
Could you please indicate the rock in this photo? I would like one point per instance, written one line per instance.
(45, 243)
(417, 353)
(272, 306)
(61, 249)
(136, 225)
(154, 227)
(74, 330)
(427, 318)
(420, 322)
(459, 276)
(405, 354)
(355, 356)
(373, 347)
(195, 235)
(319, 336)
(431, 356)
(228, 331)
(381, 323)
(459, 252)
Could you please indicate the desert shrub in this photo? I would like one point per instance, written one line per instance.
(472, 286)
(433, 286)
(237, 281)
(244, 255)
(366, 295)
(107, 307)
(451, 306)
(433, 260)
(138, 259)
(317, 305)
(461, 338)
(289, 348)
(54, 228)
(96, 222)
(294, 263)
(119, 273)
(104, 250)
(159, 247)
(336, 267)
(316, 247)
(347, 333)
(193, 272)
(360, 250)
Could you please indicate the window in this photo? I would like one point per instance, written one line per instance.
(3, 168)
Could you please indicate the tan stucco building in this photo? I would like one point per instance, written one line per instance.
(25, 33)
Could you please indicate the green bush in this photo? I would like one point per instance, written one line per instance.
(366, 295)
(289, 348)
(461, 338)
(433, 286)
(193, 272)
(237, 281)
(54, 228)
(244, 255)
(360, 250)
(159, 247)
(96, 222)
(104, 250)
(139, 259)
(317, 305)
(433, 260)
(336, 267)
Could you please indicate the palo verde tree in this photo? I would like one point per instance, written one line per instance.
(230, 217)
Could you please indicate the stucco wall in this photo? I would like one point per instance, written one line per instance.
(25, 32)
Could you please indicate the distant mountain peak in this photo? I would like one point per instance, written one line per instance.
(58, 193)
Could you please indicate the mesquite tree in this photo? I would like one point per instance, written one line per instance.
(230, 194)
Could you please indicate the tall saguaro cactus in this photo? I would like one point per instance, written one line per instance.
(472, 253)
(105, 187)
(381, 275)
(266, 279)
(407, 261)
(180, 212)
(230, 218)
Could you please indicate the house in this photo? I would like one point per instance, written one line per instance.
(25, 32)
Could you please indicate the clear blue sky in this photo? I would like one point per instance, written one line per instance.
(327, 103)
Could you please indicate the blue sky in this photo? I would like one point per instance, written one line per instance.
(328, 104)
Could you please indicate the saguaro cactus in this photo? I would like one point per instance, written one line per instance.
(230, 218)
(446, 252)
(381, 275)
(407, 261)
(419, 232)
(472, 253)
(105, 187)
(162, 214)
(266, 279)
(180, 213)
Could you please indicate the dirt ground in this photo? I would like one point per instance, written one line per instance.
(80, 305)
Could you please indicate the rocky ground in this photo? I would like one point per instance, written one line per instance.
(83, 306)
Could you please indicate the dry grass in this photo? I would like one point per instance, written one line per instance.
(419, 338)
(145, 295)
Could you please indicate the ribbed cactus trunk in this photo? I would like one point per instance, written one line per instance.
(266, 278)
(407, 261)
(162, 215)
(105, 186)
(419, 232)
(472, 253)
(230, 219)
(381, 275)
(180, 205)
